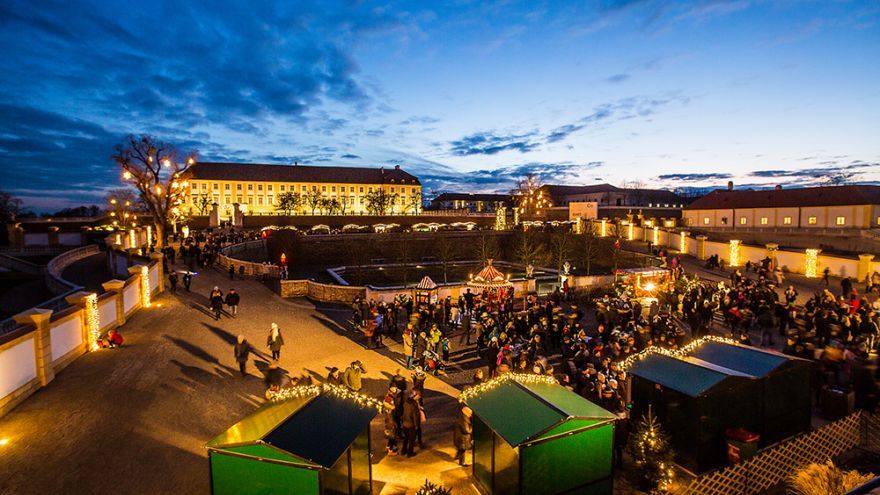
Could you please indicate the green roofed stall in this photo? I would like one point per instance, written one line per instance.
(540, 438)
(318, 444)
(695, 402)
(785, 405)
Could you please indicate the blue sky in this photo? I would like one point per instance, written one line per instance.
(468, 95)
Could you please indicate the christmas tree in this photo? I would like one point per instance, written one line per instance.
(651, 452)
(431, 489)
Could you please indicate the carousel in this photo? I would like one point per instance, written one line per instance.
(491, 280)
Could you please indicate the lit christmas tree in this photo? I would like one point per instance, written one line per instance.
(651, 452)
(431, 489)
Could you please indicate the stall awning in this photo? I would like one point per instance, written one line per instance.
(748, 360)
(687, 375)
(312, 430)
(426, 284)
(523, 412)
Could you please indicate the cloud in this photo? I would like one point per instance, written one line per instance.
(695, 177)
(617, 78)
(623, 109)
(349, 156)
(489, 143)
(503, 179)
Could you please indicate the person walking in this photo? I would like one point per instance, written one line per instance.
(231, 271)
(216, 302)
(390, 430)
(408, 345)
(826, 273)
(410, 422)
(352, 376)
(232, 300)
(172, 281)
(462, 434)
(465, 329)
(242, 350)
(187, 279)
(275, 341)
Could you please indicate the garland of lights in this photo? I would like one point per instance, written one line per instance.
(93, 321)
(811, 263)
(734, 252)
(145, 286)
(675, 353)
(335, 390)
(506, 377)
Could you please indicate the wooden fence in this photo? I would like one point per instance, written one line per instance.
(774, 465)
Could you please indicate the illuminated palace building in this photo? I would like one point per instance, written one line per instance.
(257, 188)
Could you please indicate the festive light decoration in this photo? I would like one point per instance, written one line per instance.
(93, 321)
(145, 286)
(734, 252)
(656, 235)
(506, 377)
(603, 229)
(681, 352)
(335, 390)
(149, 235)
(811, 263)
(118, 238)
(501, 218)
(629, 235)
(651, 452)
(683, 248)
(185, 230)
(132, 242)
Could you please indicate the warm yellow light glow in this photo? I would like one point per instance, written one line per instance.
(326, 388)
(118, 238)
(149, 235)
(93, 321)
(519, 377)
(683, 248)
(4, 442)
(113, 201)
(131, 239)
(190, 161)
(145, 286)
(629, 234)
(126, 175)
(681, 352)
(112, 213)
(650, 286)
(603, 229)
(811, 263)
(158, 189)
(734, 252)
(185, 230)
(166, 162)
(656, 235)
(150, 159)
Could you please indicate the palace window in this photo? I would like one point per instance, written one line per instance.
(332, 188)
(269, 187)
(216, 186)
(250, 187)
(259, 187)
(705, 220)
(226, 187)
(763, 220)
(723, 220)
(811, 220)
(238, 187)
(323, 188)
(227, 199)
(362, 189)
(840, 221)
(742, 220)
(238, 199)
(786, 220)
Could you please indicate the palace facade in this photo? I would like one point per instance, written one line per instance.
(257, 187)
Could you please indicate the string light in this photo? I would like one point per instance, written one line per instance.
(675, 353)
(603, 230)
(734, 252)
(476, 390)
(656, 235)
(126, 175)
(501, 218)
(131, 239)
(683, 249)
(93, 321)
(335, 390)
(811, 263)
(145, 286)
(629, 235)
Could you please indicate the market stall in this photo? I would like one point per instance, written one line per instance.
(785, 404)
(695, 402)
(316, 442)
(643, 284)
(426, 291)
(491, 280)
(532, 435)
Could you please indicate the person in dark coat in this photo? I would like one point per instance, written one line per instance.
(391, 420)
(242, 350)
(232, 300)
(462, 434)
(334, 377)
(172, 280)
(187, 279)
(410, 421)
(274, 341)
(216, 302)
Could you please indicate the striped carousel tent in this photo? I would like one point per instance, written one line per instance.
(426, 291)
(489, 278)
(426, 284)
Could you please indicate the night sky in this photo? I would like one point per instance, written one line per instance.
(466, 95)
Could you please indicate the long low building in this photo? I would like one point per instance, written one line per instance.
(837, 207)
(257, 187)
(473, 202)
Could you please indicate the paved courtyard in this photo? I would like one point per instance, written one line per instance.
(135, 420)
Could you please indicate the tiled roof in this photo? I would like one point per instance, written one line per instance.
(786, 198)
(299, 173)
(450, 196)
(560, 190)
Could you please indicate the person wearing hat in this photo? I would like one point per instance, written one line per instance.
(408, 348)
(352, 376)
(389, 408)
(216, 302)
(410, 422)
(242, 350)
(274, 341)
(462, 434)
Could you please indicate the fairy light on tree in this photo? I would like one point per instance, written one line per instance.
(530, 198)
(122, 207)
(93, 321)
(145, 286)
(153, 169)
(811, 263)
(683, 247)
(734, 252)
(652, 453)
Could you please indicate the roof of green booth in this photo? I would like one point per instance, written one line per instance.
(688, 375)
(521, 412)
(749, 360)
(312, 430)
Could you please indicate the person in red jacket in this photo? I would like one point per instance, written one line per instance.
(114, 339)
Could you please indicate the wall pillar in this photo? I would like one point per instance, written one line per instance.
(116, 287)
(237, 215)
(16, 235)
(864, 266)
(701, 247)
(159, 259)
(53, 236)
(39, 318)
(78, 299)
(84, 235)
(214, 216)
(683, 241)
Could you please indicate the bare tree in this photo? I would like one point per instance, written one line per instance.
(529, 249)
(561, 246)
(446, 252)
(529, 196)
(486, 248)
(123, 205)
(588, 249)
(10, 207)
(152, 167)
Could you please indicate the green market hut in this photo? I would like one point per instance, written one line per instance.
(695, 402)
(536, 436)
(311, 444)
(785, 405)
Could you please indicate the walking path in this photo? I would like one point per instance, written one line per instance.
(135, 420)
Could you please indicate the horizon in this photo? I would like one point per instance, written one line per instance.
(466, 96)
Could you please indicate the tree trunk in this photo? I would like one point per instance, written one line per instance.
(160, 229)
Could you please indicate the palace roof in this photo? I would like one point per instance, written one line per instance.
(299, 173)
